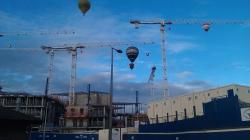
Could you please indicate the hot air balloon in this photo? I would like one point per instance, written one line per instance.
(84, 6)
(206, 26)
(132, 53)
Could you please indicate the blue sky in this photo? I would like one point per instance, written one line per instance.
(196, 59)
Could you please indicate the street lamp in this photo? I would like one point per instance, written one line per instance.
(111, 91)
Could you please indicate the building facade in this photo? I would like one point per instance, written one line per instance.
(191, 105)
(34, 105)
(90, 112)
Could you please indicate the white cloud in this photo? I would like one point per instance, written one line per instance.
(184, 74)
(241, 66)
(178, 47)
(194, 85)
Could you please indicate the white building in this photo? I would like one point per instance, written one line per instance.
(190, 105)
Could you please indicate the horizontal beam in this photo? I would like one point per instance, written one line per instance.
(190, 21)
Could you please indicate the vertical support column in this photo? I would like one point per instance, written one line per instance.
(3, 103)
(73, 77)
(104, 116)
(164, 59)
(194, 110)
(41, 110)
(167, 117)
(26, 104)
(49, 78)
(18, 103)
(137, 102)
(176, 115)
(111, 97)
(185, 113)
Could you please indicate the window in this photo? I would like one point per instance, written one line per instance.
(189, 98)
(165, 103)
(248, 91)
(208, 94)
(81, 111)
(72, 111)
(74, 123)
(196, 97)
(81, 123)
(174, 102)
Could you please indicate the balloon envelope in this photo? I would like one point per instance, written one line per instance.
(84, 6)
(206, 27)
(132, 53)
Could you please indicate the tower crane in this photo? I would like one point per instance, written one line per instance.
(73, 49)
(151, 79)
(206, 24)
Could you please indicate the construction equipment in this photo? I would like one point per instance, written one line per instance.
(73, 49)
(206, 24)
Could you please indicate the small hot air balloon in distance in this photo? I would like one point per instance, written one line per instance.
(147, 53)
(132, 53)
(84, 6)
(206, 27)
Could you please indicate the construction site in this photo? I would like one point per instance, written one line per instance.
(83, 70)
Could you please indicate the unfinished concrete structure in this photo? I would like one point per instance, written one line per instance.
(90, 112)
(34, 105)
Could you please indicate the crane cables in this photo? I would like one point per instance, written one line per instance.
(86, 45)
(41, 33)
(191, 21)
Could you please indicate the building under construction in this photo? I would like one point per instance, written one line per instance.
(37, 106)
(90, 112)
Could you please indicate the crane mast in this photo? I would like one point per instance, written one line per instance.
(51, 63)
(164, 59)
(162, 24)
(73, 77)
